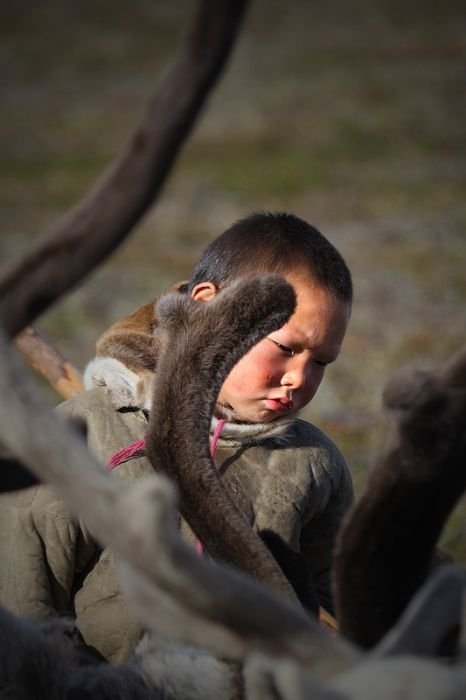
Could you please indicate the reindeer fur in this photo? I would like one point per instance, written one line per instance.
(38, 661)
(386, 547)
(211, 337)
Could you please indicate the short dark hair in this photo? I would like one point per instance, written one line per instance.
(275, 243)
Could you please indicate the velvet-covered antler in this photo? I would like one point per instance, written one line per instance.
(100, 222)
(386, 548)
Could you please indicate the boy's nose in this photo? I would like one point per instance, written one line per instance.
(306, 376)
(294, 378)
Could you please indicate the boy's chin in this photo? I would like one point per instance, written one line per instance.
(249, 415)
(233, 415)
(257, 417)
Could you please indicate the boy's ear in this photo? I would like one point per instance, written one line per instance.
(204, 291)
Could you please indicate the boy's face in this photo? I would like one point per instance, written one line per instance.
(282, 373)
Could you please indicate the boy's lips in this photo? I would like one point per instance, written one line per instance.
(279, 404)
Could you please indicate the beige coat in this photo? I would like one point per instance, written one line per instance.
(296, 485)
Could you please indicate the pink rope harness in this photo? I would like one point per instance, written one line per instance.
(137, 449)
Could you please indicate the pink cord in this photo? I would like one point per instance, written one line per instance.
(137, 449)
(213, 449)
(216, 435)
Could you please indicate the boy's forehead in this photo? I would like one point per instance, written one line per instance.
(306, 287)
(318, 312)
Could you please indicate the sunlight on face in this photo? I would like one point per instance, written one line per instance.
(282, 373)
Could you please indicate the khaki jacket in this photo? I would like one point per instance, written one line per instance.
(296, 485)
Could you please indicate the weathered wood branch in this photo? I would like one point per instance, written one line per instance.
(100, 222)
(46, 359)
(385, 550)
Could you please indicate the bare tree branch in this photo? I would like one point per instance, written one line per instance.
(95, 227)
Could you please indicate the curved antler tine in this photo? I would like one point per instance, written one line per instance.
(454, 374)
(98, 224)
(284, 680)
(197, 601)
(385, 548)
(435, 610)
(203, 342)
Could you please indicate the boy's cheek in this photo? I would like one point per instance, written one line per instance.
(312, 390)
(237, 386)
(255, 378)
(232, 387)
(253, 371)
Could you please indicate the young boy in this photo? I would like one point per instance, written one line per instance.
(284, 475)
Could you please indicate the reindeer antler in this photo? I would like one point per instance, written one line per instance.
(208, 592)
(201, 343)
(385, 549)
(100, 222)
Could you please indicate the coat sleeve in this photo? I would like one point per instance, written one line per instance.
(101, 613)
(319, 533)
(50, 564)
(67, 549)
(42, 550)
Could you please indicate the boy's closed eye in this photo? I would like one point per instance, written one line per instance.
(321, 363)
(289, 352)
(284, 348)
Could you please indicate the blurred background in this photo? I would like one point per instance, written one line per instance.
(351, 115)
